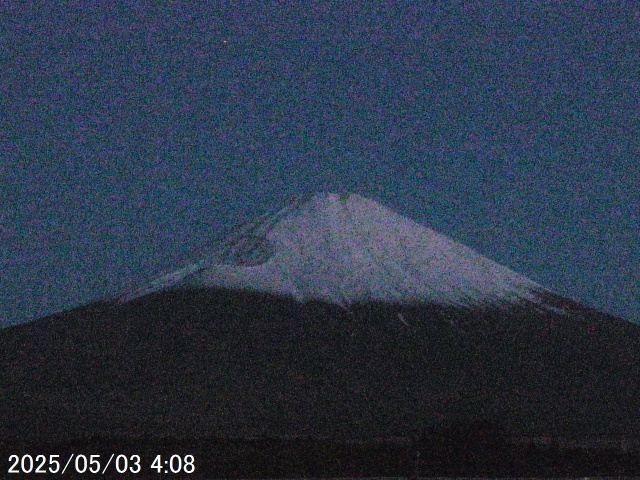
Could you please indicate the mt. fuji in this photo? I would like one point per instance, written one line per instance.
(343, 248)
(332, 318)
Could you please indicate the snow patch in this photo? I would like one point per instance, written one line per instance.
(344, 248)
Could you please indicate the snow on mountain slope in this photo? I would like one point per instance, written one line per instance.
(344, 248)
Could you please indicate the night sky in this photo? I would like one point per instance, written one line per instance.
(132, 134)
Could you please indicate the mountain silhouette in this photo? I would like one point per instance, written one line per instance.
(335, 318)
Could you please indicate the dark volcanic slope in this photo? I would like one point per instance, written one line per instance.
(215, 362)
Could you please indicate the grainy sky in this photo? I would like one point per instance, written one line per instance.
(130, 133)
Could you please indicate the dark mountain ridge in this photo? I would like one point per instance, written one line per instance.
(336, 319)
(243, 364)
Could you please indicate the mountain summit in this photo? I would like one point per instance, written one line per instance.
(344, 248)
(334, 318)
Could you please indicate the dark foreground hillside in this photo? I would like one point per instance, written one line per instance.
(276, 378)
(449, 451)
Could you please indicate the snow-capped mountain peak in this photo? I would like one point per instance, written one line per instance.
(344, 248)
